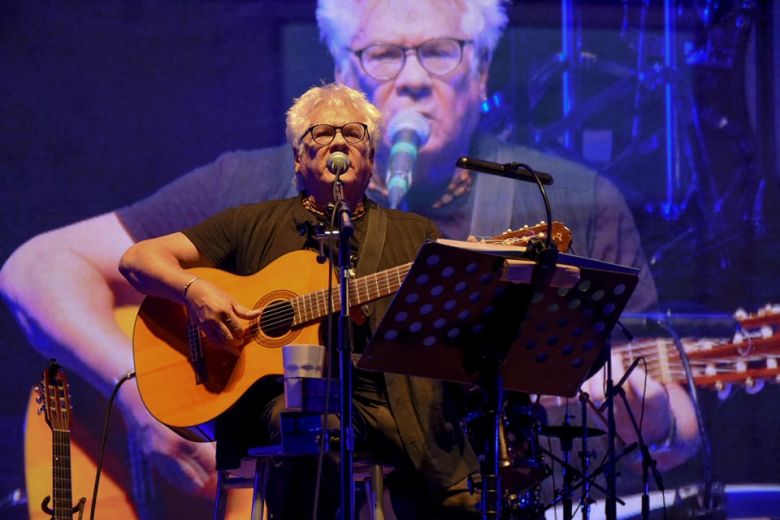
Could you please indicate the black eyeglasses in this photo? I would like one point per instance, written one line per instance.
(384, 61)
(323, 134)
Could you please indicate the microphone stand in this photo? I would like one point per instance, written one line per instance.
(346, 439)
(648, 463)
(610, 471)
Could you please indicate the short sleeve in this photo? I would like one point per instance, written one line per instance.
(234, 179)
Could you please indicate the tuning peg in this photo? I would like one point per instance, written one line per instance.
(40, 410)
(724, 390)
(753, 386)
(740, 314)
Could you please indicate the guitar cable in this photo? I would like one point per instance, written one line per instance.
(104, 437)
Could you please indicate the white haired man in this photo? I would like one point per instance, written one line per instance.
(53, 305)
(391, 414)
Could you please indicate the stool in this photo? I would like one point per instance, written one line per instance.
(255, 473)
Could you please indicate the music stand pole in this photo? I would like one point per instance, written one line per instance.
(492, 385)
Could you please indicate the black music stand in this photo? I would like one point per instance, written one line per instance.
(475, 313)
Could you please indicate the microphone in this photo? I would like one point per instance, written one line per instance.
(622, 381)
(408, 131)
(517, 171)
(338, 163)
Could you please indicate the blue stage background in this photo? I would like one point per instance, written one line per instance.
(103, 102)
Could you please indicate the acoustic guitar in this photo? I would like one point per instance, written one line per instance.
(748, 360)
(54, 398)
(129, 488)
(186, 381)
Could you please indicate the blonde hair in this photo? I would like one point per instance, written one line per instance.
(331, 95)
(340, 20)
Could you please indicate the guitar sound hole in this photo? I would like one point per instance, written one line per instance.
(276, 319)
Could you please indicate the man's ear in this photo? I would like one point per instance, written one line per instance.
(344, 74)
(296, 159)
(483, 69)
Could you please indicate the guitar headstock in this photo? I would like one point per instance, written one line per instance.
(750, 359)
(54, 397)
(561, 235)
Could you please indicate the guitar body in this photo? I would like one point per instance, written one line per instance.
(168, 380)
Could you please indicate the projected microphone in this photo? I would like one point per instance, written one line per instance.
(408, 131)
(338, 163)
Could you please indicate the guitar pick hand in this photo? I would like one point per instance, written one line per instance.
(218, 315)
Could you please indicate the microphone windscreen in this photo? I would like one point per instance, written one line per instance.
(409, 120)
(338, 162)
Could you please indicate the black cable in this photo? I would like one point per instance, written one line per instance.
(128, 376)
(705, 441)
(547, 207)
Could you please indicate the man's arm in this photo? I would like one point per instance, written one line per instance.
(669, 427)
(62, 287)
(157, 267)
(670, 420)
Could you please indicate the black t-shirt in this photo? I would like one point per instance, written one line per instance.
(245, 239)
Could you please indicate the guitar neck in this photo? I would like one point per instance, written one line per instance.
(714, 363)
(61, 477)
(663, 361)
(314, 306)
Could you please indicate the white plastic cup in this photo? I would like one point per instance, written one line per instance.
(300, 361)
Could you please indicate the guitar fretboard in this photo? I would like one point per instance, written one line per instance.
(314, 306)
(61, 476)
(714, 363)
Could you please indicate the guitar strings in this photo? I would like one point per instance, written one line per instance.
(286, 313)
(282, 315)
(286, 308)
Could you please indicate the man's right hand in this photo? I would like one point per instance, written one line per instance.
(218, 315)
(188, 466)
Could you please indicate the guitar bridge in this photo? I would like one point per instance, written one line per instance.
(197, 360)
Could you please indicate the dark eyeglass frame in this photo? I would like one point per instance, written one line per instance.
(336, 129)
(405, 51)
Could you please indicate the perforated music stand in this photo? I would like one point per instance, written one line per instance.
(478, 314)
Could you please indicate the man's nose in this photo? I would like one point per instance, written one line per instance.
(338, 143)
(413, 77)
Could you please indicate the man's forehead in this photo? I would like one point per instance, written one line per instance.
(334, 114)
(408, 21)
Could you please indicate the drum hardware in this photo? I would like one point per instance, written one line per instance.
(521, 464)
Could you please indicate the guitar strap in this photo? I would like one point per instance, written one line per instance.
(371, 249)
(373, 243)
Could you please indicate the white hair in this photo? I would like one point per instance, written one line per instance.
(340, 20)
(331, 95)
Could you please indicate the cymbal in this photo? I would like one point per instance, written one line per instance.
(569, 432)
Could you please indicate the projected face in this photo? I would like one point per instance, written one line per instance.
(425, 32)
